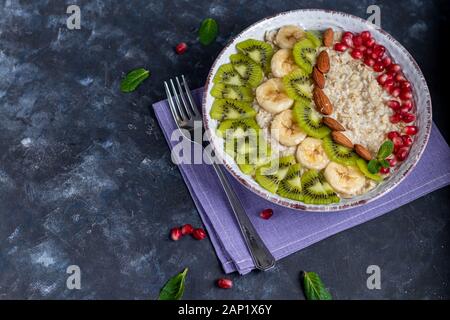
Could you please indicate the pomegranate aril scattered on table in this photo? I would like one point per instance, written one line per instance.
(181, 48)
(175, 234)
(187, 229)
(199, 234)
(266, 214)
(224, 283)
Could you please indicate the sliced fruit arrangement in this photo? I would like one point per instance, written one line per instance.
(287, 77)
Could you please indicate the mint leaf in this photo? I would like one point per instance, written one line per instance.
(133, 79)
(385, 150)
(374, 166)
(384, 163)
(208, 31)
(314, 287)
(174, 288)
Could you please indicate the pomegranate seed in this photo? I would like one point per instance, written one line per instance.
(394, 68)
(399, 77)
(187, 229)
(407, 140)
(407, 105)
(362, 49)
(391, 135)
(405, 85)
(266, 214)
(406, 94)
(365, 35)
(393, 104)
(224, 283)
(347, 41)
(357, 41)
(386, 61)
(369, 61)
(181, 48)
(369, 43)
(384, 170)
(199, 234)
(347, 34)
(408, 117)
(356, 54)
(388, 84)
(411, 130)
(175, 234)
(395, 118)
(392, 162)
(398, 141)
(382, 78)
(368, 53)
(395, 91)
(378, 67)
(402, 153)
(379, 50)
(340, 47)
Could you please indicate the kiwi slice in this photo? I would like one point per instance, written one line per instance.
(291, 186)
(339, 153)
(297, 85)
(316, 190)
(238, 128)
(362, 166)
(304, 53)
(247, 69)
(270, 175)
(251, 152)
(226, 74)
(224, 109)
(314, 37)
(309, 120)
(259, 51)
(226, 91)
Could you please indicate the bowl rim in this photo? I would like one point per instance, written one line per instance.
(334, 207)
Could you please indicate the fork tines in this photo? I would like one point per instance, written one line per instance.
(181, 102)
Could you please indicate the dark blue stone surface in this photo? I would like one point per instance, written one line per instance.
(86, 176)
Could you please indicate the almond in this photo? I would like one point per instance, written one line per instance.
(341, 139)
(328, 37)
(323, 62)
(333, 124)
(319, 78)
(323, 104)
(363, 152)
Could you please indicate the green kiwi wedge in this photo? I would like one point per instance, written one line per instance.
(270, 175)
(247, 69)
(316, 190)
(314, 38)
(304, 53)
(225, 109)
(238, 128)
(252, 152)
(362, 166)
(291, 186)
(227, 75)
(259, 51)
(298, 86)
(226, 91)
(309, 120)
(339, 153)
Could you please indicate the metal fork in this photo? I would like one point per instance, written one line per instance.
(185, 112)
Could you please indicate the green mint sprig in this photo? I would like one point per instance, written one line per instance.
(380, 161)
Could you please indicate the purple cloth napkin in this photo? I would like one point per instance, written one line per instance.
(291, 230)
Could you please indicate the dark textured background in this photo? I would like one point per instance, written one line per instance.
(86, 176)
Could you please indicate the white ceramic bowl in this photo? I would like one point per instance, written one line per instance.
(320, 20)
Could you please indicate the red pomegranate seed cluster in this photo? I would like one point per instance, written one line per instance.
(364, 47)
(178, 232)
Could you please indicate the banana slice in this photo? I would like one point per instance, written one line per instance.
(272, 97)
(289, 35)
(344, 179)
(311, 155)
(283, 63)
(285, 131)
